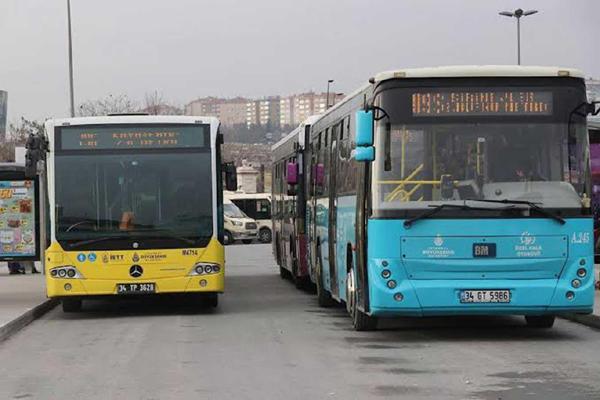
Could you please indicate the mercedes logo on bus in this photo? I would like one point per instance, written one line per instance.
(136, 271)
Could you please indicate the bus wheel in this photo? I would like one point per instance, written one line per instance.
(246, 241)
(265, 235)
(360, 320)
(212, 299)
(542, 321)
(323, 296)
(227, 238)
(70, 305)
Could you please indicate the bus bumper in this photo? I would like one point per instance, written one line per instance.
(57, 287)
(442, 297)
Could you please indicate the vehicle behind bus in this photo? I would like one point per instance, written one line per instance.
(594, 130)
(455, 191)
(238, 226)
(289, 213)
(258, 207)
(135, 208)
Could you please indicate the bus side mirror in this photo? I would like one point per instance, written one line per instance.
(231, 183)
(365, 154)
(593, 108)
(291, 176)
(364, 128)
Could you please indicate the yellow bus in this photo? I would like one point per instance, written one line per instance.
(135, 207)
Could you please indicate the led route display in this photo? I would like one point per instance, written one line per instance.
(132, 137)
(482, 103)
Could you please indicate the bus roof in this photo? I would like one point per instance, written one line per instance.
(477, 71)
(132, 119)
(296, 133)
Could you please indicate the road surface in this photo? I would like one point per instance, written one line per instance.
(268, 340)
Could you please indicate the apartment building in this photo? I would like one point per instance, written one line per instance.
(230, 112)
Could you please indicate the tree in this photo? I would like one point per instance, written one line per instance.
(112, 104)
(17, 135)
(155, 104)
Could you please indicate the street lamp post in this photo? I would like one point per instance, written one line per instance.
(328, 83)
(72, 90)
(518, 14)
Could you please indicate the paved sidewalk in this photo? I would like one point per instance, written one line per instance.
(22, 299)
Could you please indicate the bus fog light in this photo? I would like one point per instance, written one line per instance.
(386, 273)
(570, 295)
(203, 283)
(398, 297)
(576, 283)
(208, 269)
(581, 272)
(391, 284)
(199, 270)
(582, 262)
(67, 286)
(216, 269)
(62, 273)
(53, 272)
(71, 273)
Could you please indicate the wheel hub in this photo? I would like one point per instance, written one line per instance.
(350, 292)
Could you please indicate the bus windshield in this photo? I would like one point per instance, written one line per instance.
(163, 198)
(445, 156)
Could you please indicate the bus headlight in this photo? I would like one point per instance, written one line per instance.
(66, 272)
(576, 283)
(205, 269)
(581, 272)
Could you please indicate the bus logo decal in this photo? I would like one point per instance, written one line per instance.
(136, 258)
(527, 238)
(438, 241)
(136, 271)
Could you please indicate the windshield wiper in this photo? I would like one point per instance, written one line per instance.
(172, 235)
(531, 204)
(97, 240)
(408, 223)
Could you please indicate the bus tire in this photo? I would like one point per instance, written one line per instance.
(540, 321)
(323, 296)
(246, 241)
(227, 238)
(70, 305)
(265, 235)
(212, 299)
(360, 320)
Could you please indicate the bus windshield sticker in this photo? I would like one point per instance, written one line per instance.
(132, 137)
(482, 103)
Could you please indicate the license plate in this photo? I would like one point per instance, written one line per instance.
(484, 250)
(485, 296)
(126, 288)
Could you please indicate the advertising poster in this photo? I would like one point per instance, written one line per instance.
(17, 219)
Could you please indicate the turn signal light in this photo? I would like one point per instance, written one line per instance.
(570, 295)
(576, 283)
(391, 284)
(386, 274)
(581, 272)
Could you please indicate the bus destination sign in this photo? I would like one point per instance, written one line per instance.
(132, 137)
(482, 103)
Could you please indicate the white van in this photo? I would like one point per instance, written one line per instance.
(258, 207)
(238, 226)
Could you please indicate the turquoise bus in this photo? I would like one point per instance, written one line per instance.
(453, 191)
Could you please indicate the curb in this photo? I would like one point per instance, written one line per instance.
(591, 320)
(25, 319)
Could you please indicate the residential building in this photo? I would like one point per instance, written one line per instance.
(306, 104)
(286, 110)
(264, 112)
(230, 112)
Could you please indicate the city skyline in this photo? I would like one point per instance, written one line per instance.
(266, 46)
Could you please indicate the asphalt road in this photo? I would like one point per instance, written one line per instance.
(268, 340)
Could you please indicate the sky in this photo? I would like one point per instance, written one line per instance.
(187, 49)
